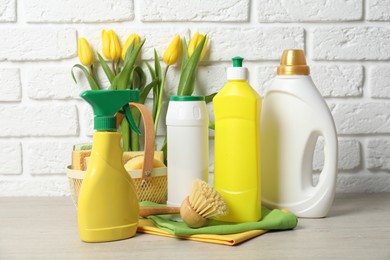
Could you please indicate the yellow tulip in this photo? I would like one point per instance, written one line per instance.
(194, 42)
(111, 46)
(85, 52)
(173, 51)
(132, 37)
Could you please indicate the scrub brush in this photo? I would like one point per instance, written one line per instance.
(203, 204)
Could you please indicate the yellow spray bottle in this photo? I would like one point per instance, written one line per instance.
(108, 205)
(237, 109)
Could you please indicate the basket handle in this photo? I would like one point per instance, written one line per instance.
(147, 120)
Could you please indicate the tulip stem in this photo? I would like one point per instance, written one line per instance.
(90, 68)
(113, 67)
(160, 97)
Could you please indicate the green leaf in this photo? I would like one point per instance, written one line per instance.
(211, 125)
(156, 94)
(134, 137)
(157, 65)
(91, 80)
(157, 88)
(184, 59)
(210, 97)
(129, 51)
(124, 75)
(151, 71)
(145, 92)
(125, 135)
(106, 68)
(164, 150)
(139, 78)
(186, 86)
(123, 78)
(114, 84)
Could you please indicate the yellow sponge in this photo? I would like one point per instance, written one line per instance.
(137, 162)
(79, 159)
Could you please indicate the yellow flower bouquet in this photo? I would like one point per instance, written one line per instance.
(126, 72)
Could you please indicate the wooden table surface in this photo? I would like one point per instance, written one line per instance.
(358, 227)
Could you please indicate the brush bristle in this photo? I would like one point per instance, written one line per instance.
(206, 201)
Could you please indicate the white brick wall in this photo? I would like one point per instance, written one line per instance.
(75, 11)
(7, 10)
(347, 45)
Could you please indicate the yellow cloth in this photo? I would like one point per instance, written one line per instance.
(146, 226)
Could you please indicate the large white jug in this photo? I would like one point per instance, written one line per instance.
(294, 115)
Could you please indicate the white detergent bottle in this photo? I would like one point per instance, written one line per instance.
(294, 116)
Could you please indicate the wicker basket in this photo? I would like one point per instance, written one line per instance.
(150, 183)
(150, 189)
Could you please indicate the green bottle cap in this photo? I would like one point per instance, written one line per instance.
(237, 72)
(237, 61)
(186, 98)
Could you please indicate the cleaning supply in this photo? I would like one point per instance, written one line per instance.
(237, 109)
(197, 209)
(137, 162)
(272, 220)
(188, 145)
(294, 116)
(146, 226)
(145, 211)
(203, 204)
(108, 205)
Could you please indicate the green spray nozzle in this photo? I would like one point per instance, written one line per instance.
(106, 103)
(237, 61)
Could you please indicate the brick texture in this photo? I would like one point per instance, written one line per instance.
(308, 11)
(351, 43)
(362, 118)
(31, 44)
(11, 86)
(10, 157)
(74, 11)
(38, 120)
(379, 81)
(378, 10)
(7, 11)
(378, 156)
(257, 43)
(348, 159)
(205, 11)
(49, 157)
(55, 83)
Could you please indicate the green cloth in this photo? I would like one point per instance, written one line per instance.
(272, 220)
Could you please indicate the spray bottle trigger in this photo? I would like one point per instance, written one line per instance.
(130, 119)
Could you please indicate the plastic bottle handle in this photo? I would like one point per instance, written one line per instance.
(147, 120)
(329, 171)
(330, 159)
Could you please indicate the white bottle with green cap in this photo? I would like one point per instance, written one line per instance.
(188, 145)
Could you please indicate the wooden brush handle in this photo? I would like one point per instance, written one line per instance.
(147, 211)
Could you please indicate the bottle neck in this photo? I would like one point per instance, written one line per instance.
(237, 80)
(292, 76)
(107, 144)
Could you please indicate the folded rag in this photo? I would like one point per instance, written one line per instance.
(216, 230)
(146, 226)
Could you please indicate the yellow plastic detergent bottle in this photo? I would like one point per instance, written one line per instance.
(108, 205)
(237, 109)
